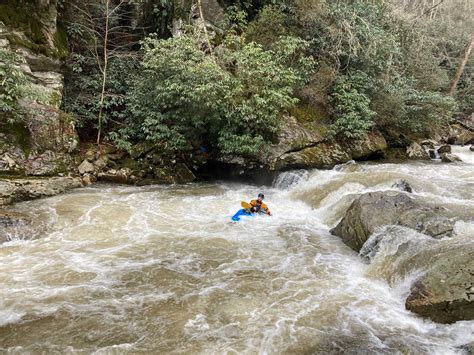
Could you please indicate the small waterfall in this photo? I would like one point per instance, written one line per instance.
(289, 179)
(434, 154)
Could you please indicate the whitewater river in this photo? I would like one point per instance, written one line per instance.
(161, 269)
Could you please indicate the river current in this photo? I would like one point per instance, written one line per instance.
(115, 269)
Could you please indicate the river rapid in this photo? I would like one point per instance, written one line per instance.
(161, 269)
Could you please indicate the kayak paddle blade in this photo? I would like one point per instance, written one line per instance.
(245, 205)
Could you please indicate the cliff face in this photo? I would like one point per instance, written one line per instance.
(41, 142)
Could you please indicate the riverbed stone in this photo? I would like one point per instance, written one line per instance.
(377, 209)
(428, 143)
(449, 158)
(417, 152)
(10, 224)
(446, 148)
(445, 293)
(402, 185)
(15, 190)
(85, 167)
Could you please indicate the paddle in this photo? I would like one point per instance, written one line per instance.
(245, 205)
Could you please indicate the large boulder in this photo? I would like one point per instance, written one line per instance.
(15, 190)
(377, 209)
(303, 145)
(445, 293)
(446, 148)
(445, 290)
(461, 135)
(449, 158)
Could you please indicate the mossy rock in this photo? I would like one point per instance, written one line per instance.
(308, 113)
(21, 135)
(24, 16)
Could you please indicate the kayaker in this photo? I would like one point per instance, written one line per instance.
(259, 206)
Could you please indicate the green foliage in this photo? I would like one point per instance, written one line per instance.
(268, 27)
(236, 18)
(13, 86)
(231, 101)
(352, 105)
(426, 111)
(83, 82)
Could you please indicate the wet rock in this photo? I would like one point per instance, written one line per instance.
(120, 176)
(184, 174)
(11, 223)
(11, 219)
(101, 163)
(445, 293)
(468, 348)
(85, 167)
(471, 148)
(376, 209)
(460, 135)
(449, 158)
(428, 143)
(402, 185)
(48, 163)
(417, 152)
(303, 145)
(15, 190)
(88, 179)
(180, 174)
(326, 155)
(444, 149)
(432, 153)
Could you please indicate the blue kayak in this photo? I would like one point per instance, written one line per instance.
(240, 213)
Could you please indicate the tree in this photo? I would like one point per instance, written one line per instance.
(102, 33)
(230, 101)
(461, 67)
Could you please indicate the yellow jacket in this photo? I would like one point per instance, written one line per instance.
(260, 207)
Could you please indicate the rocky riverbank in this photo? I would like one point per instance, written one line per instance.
(15, 189)
(444, 292)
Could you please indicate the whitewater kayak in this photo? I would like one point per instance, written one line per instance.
(240, 213)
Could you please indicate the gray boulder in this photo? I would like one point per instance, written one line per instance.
(444, 149)
(15, 190)
(449, 158)
(417, 152)
(403, 185)
(376, 209)
(85, 167)
(460, 135)
(428, 143)
(445, 293)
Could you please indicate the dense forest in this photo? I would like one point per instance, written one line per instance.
(353, 65)
(227, 75)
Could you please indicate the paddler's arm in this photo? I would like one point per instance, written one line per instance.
(266, 209)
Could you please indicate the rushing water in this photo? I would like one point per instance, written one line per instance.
(161, 269)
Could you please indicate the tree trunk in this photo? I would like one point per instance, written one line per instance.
(460, 70)
(204, 26)
(104, 70)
